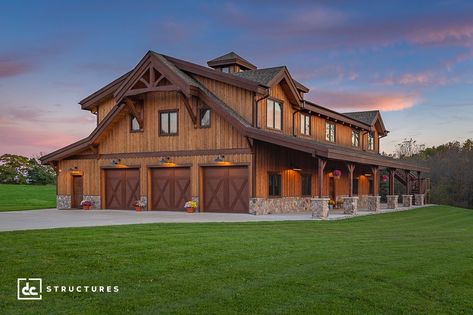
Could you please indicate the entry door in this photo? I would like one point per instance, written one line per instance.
(332, 192)
(122, 188)
(77, 191)
(170, 188)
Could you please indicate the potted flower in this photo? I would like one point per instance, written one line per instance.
(190, 206)
(86, 204)
(384, 178)
(337, 174)
(331, 204)
(139, 205)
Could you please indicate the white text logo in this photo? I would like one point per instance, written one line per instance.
(29, 288)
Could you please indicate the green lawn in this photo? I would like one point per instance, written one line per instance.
(418, 261)
(27, 197)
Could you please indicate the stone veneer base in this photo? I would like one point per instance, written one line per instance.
(63, 201)
(407, 201)
(392, 201)
(419, 199)
(196, 199)
(374, 203)
(96, 204)
(279, 205)
(319, 207)
(363, 202)
(350, 205)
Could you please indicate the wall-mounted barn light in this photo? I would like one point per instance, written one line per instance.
(220, 158)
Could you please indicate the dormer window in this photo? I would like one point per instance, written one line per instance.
(371, 141)
(355, 138)
(330, 131)
(274, 114)
(305, 124)
(226, 69)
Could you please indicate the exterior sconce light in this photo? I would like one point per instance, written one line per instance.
(220, 158)
(116, 162)
(165, 159)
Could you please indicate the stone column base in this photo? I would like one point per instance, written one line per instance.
(319, 207)
(407, 201)
(196, 199)
(363, 202)
(374, 203)
(63, 202)
(419, 199)
(392, 201)
(350, 205)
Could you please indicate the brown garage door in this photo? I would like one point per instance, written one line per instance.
(226, 189)
(122, 188)
(170, 188)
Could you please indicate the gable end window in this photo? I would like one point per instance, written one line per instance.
(330, 131)
(305, 124)
(274, 185)
(306, 182)
(168, 124)
(355, 138)
(204, 117)
(370, 141)
(274, 114)
(134, 125)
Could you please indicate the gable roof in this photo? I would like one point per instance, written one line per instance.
(231, 58)
(370, 118)
(260, 76)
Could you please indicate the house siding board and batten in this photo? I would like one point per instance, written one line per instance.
(238, 131)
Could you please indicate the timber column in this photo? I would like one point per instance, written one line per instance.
(319, 206)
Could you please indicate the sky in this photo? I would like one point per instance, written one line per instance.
(413, 60)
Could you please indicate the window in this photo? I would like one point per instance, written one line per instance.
(168, 123)
(355, 138)
(273, 114)
(274, 184)
(370, 141)
(355, 186)
(330, 131)
(306, 181)
(204, 117)
(226, 69)
(134, 125)
(305, 124)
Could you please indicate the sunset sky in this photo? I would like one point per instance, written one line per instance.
(411, 59)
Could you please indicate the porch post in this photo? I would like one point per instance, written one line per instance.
(320, 175)
(351, 169)
(418, 182)
(408, 183)
(391, 180)
(374, 172)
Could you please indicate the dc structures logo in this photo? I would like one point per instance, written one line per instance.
(29, 288)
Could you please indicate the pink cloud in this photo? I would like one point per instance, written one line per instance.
(10, 67)
(353, 101)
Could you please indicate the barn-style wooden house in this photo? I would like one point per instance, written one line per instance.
(231, 136)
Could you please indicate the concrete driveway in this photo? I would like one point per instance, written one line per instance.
(53, 218)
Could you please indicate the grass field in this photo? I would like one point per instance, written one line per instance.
(27, 197)
(418, 261)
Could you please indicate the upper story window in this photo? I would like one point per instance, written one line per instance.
(134, 125)
(226, 69)
(168, 123)
(306, 182)
(274, 185)
(305, 124)
(355, 138)
(274, 114)
(204, 117)
(330, 131)
(370, 141)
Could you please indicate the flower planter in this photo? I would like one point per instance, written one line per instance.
(190, 210)
(86, 207)
(137, 209)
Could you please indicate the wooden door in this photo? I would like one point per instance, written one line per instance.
(332, 190)
(77, 191)
(122, 188)
(170, 188)
(226, 189)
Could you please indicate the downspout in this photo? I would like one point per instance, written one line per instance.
(265, 96)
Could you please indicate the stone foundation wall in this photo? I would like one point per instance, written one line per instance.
(363, 202)
(279, 205)
(95, 201)
(374, 203)
(319, 207)
(196, 199)
(350, 205)
(63, 201)
(145, 200)
(419, 199)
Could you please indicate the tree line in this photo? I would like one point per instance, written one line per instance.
(451, 169)
(17, 169)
